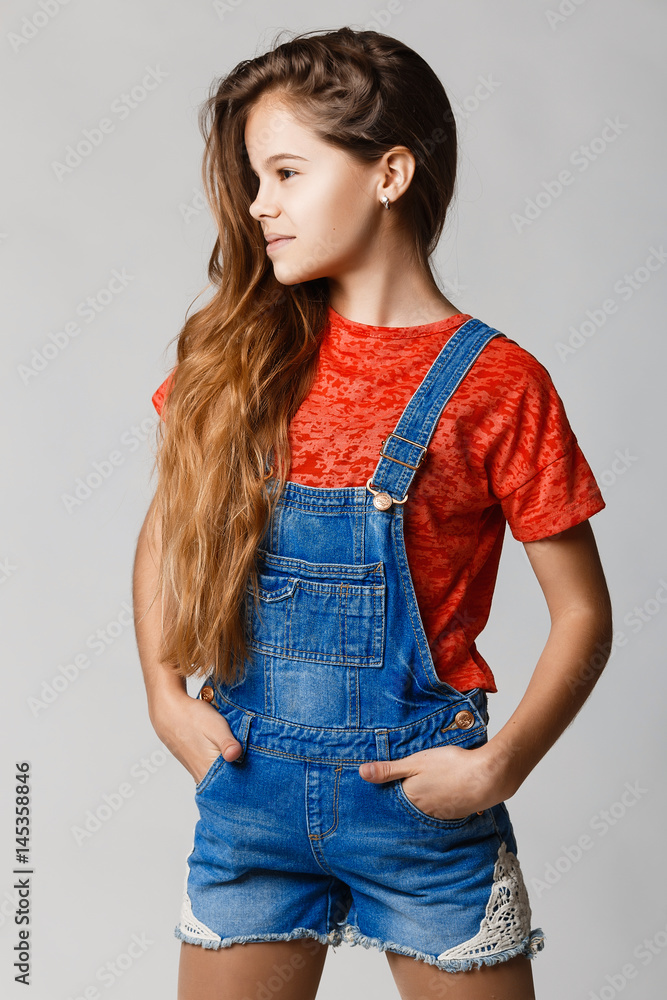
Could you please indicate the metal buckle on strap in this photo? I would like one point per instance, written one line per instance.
(407, 464)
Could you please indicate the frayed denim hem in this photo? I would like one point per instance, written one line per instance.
(529, 947)
(334, 937)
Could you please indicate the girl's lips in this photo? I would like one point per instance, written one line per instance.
(274, 244)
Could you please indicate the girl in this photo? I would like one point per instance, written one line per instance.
(340, 453)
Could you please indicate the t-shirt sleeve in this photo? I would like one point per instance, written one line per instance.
(535, 466)
(161, 393)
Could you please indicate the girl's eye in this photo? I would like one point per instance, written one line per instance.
(282, 170)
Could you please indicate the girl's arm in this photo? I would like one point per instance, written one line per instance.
(190, 728)
(451, 782)
(568, 569)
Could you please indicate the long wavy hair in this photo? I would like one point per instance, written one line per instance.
(246, 359)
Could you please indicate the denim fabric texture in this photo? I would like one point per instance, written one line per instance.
(291, 841)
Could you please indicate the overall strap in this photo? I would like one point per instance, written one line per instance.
(404, 450)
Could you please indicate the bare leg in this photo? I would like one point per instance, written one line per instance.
(416, 980)
(283, 970)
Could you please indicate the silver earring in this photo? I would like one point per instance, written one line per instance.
(385, 201)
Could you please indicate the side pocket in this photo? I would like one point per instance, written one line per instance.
(426, 818)
(469, 739)
(210, 774)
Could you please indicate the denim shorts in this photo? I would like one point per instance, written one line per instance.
(291, 841)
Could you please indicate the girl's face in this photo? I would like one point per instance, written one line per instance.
(327, 204)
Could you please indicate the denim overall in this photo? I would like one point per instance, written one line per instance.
(291, 841)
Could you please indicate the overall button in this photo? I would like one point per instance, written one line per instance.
(382, 501)
(206, 693)
(464, 719)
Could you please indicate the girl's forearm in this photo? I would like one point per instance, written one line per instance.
(571, 662)
(162, 682)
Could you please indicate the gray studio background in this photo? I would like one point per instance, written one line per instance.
(532, 83)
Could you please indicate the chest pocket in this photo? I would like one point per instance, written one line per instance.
(329, 613)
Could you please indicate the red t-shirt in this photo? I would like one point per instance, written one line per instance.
(503, 452)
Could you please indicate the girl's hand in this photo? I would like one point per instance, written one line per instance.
(195, 733)
(446, 782)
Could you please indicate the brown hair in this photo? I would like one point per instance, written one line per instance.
(246, 359)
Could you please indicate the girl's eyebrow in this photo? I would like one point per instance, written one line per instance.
(279, 156)
(282, 156)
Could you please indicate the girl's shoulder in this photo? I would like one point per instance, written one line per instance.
(505, 350)
(508, 372)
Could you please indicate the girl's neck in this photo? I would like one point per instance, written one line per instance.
(403, 314)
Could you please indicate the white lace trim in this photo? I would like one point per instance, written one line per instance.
(507, 919)
(188, 922)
